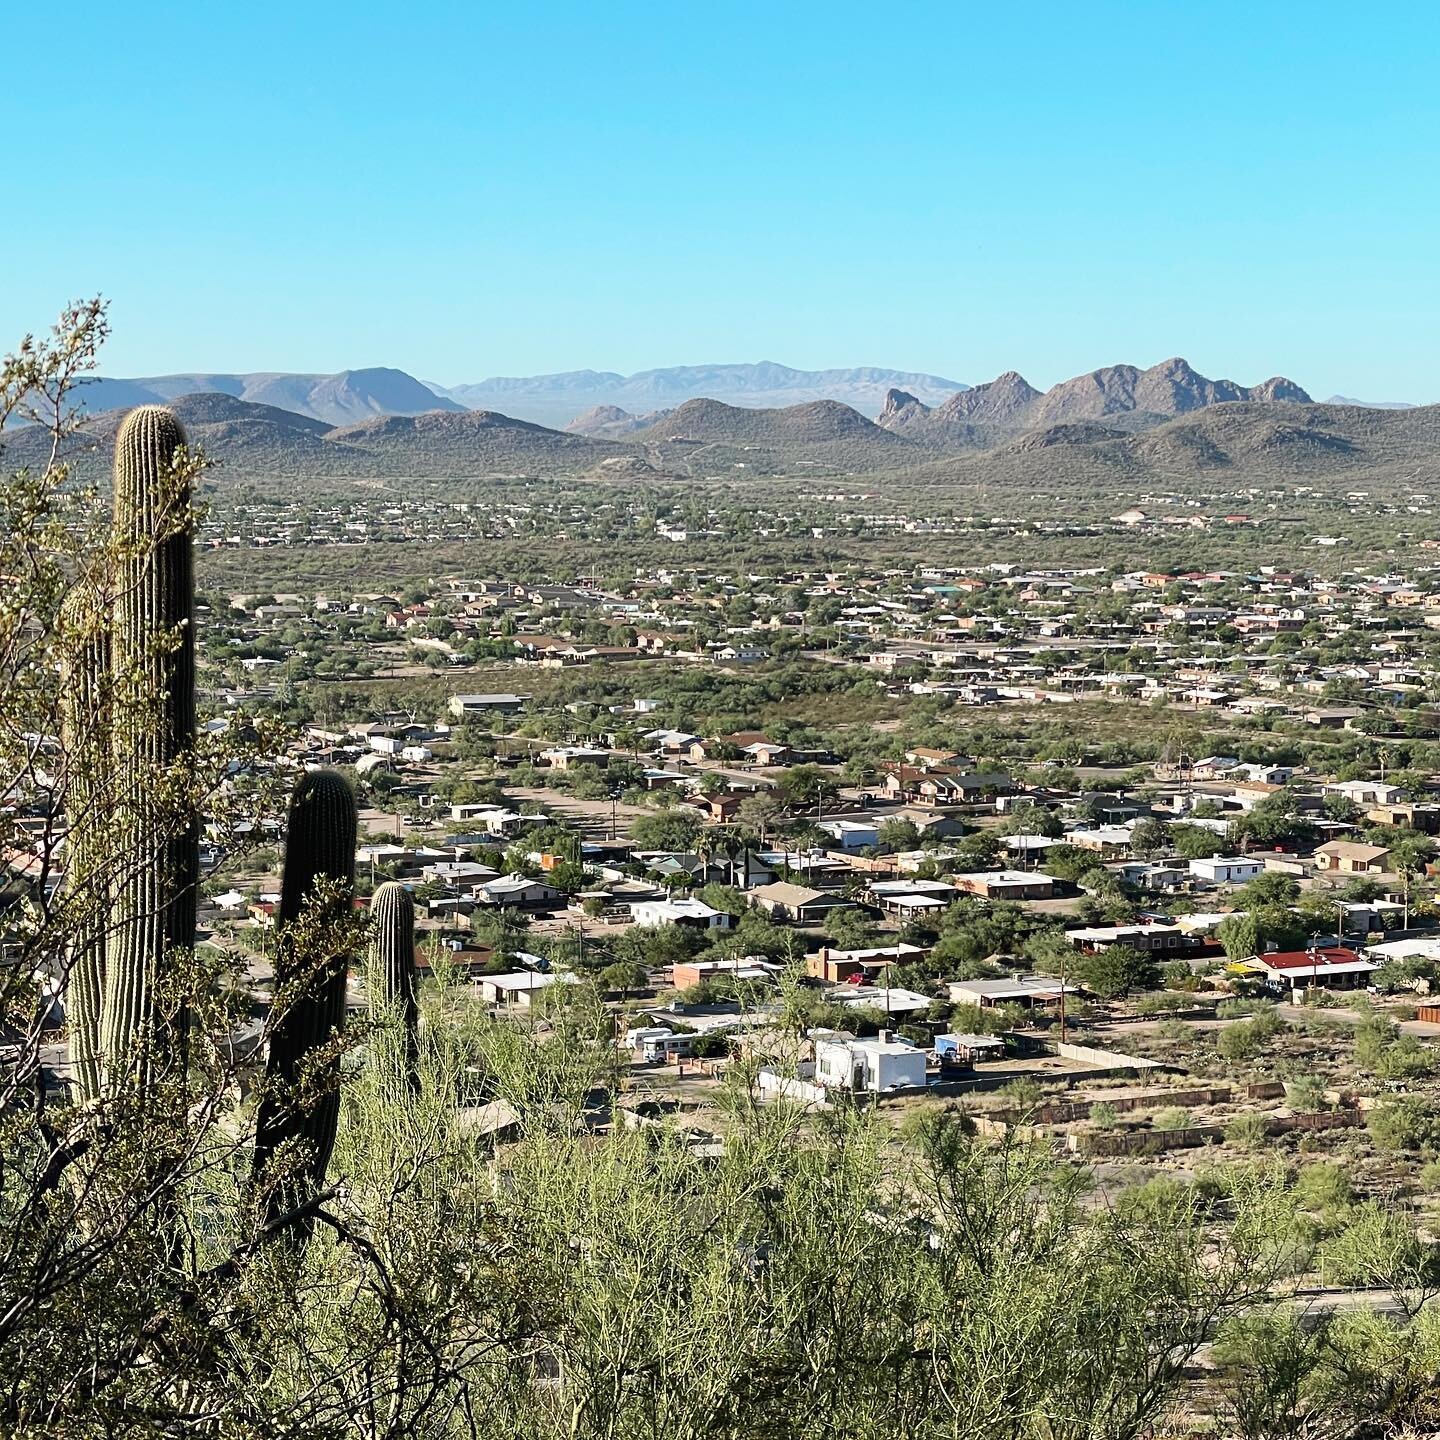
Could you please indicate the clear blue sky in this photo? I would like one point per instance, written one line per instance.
(469, 189)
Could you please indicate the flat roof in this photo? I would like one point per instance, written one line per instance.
(1025, 985)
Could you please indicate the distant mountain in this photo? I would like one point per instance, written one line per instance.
(559, 399)
(1141, 397)
(335, 399)
(473, 442)
(1371, 404)
(610, 422)
(1171, 388)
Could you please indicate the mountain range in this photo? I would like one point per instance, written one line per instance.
(989, 447)
(336, 399)
(558, 399)
(552, 400)
(1127, 397)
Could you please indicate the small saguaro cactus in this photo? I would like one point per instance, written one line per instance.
(393, 984)
(152, 670)
(301, 1100)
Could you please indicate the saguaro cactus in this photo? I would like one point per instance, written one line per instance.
(85, 736)
(153, 673)
(301, 1103)
(392, 983)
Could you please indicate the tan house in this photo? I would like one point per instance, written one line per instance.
(1350, 857)
(783, 901)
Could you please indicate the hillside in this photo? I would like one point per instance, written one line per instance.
(1241, 444)
(471, 442)
(262, 442)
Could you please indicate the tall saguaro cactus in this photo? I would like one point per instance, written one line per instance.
(301, 1103)
(153, 674)
(392, 983)
(129, 732)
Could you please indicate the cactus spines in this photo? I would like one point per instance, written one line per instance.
(392, 982)
(85, 740)
(153, 675)
(301, 1101)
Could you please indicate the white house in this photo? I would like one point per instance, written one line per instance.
(852, 834)
(1226, 869)
(692, 913)
(516, 890)
(874, 1066)
(520, 987)
(1365, 792)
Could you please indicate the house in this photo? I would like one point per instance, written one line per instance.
(1103, 839)
(693, 914)
(837, 966)
(912, 897)
(1365, 792)
(852, 834)
(1337, 967)
(459, 873)
(519, 987)
(1134, 937)
(891, 999)
(873, 1067)
(762, 752)
(465, 707)
(567, 757)
(928, 759)
(784, 901)
(1339, 718)
(1026, 991)
(1227, 869)
(1424, 818)
(1212, 766)
(518, 891)
(939, 786)
(685, 974)
(670, 742)
(1006, 885)
(1350, 857)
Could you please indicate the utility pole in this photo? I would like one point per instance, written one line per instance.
(1064, 969)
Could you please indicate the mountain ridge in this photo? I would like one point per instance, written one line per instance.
(1173, 387)
(561, 398)
(337, 399)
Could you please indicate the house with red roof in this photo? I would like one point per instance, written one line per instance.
(1335, 967)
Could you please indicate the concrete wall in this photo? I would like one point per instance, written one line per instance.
(1104, 1059)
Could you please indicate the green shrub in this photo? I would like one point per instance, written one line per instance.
(1247, 1131)
(1172, 1117)
(1323, 1186)
(1104, 1116)
(1305, 1094)
(1023, 1092)
(1405, 1123)
(1240, 1041)
(1407, 1059)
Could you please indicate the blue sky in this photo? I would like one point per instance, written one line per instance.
(473, 189)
